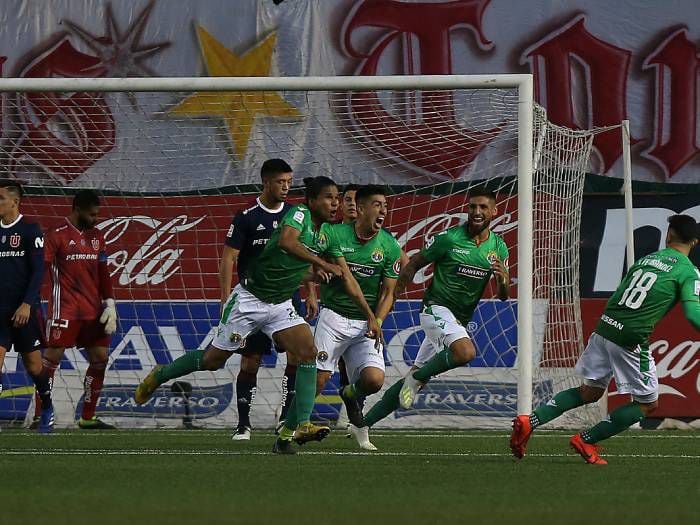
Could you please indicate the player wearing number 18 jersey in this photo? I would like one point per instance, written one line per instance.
(619, 347)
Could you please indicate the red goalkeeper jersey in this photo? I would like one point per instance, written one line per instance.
(77, 263)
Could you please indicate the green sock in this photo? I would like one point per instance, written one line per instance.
(441, 362)
(183, 365)
(555, 407)
(355, 391)
(304, 396)
(290, 423)
(620, 419)
(385, 406)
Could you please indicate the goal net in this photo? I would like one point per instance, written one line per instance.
(174, 165)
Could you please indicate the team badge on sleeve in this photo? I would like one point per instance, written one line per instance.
(397, 266)
(299, 216)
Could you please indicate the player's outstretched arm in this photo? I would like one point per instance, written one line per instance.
(408, 272)
(352, 288)
(289, 242)
(386, 299)
(691, 309)
(229, 259)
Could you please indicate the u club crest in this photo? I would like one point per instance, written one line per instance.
(15, 240)
(95, 244)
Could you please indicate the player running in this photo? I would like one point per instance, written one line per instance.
(619, 346)
(465, 258)
(250, 231)
(82, 311)
(263, 303)
(374, 258)
(22, 269)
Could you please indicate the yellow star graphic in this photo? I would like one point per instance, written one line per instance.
(238, 108)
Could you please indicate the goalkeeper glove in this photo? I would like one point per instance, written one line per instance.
(109, 316)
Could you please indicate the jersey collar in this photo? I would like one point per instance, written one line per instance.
(269, 210)
(19, 218)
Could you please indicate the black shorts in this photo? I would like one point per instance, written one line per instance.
(259, 343)
(25, 338)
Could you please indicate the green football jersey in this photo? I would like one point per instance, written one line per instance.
(650, 288)
(462, 268)
(369, 261)
(276, 275)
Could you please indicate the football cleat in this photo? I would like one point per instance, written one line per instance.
(46, 421)
(283, 447)
(361, 435)
(309, 432)
(34, 425)
(588, 451)
(93, 424)
(146, 387)
(353, 408)
(241, 434)
(409, 389)
(522, 430)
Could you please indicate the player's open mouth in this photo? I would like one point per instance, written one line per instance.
(477, 219)
(379, 222)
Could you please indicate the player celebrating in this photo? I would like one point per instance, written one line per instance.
(464, 257)
(619, 346)
(263, 303)
(348, 205)
(22, 268)
(249, 233)
(81, 306)
(374, 258)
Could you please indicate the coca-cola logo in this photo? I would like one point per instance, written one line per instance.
(676, 362)
(151, 261)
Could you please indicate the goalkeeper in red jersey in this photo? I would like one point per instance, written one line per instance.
(81, 312)
(619, 346)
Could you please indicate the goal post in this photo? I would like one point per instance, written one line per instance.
(427, 138)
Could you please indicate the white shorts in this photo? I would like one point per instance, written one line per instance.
(244, 314)
(337, 336)
(441, 329)
(634, 370)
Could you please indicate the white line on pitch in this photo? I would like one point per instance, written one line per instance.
(174, 452)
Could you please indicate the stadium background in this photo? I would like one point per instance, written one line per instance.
(624, 56)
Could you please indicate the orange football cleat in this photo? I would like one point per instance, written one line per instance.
(588, 451)
(520, 436)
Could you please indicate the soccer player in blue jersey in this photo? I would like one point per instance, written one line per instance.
(22, 269)
(250, 230)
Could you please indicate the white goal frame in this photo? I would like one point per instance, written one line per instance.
(522, 82)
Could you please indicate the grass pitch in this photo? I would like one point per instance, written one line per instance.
(427, 477)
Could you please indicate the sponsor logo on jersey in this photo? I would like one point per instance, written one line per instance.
(473, 272)
(39, 242)
(298, 216)
(612, 322)
(260, 241)
(71, 243)
(12, 253)
(81, 257)
(461, 250)
(275, 223)
(377, 255)
(95, 244)
(345, 249)
(260, 228)
(15, 240)
(361, 270)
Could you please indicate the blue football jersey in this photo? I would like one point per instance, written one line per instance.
(21, 263)
(250, 230)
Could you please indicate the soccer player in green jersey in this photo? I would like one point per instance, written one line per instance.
(619, 346)
(464, 258)
(263, 303)
(374, 259)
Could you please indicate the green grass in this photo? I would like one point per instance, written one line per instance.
(418, 477)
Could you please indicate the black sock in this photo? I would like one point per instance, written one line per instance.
(288, 381)
(246, 385)
(42, 383)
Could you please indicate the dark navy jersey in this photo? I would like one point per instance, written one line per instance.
(250, 230)
(21, 263)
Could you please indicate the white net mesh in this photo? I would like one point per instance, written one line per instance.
(176, 166)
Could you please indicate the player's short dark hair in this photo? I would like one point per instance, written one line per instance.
(313, 186)
(86, 199)
(683, 228)
(481, 191)
(365, 192)
(351, 187)
(13, 186)
(272, 167)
